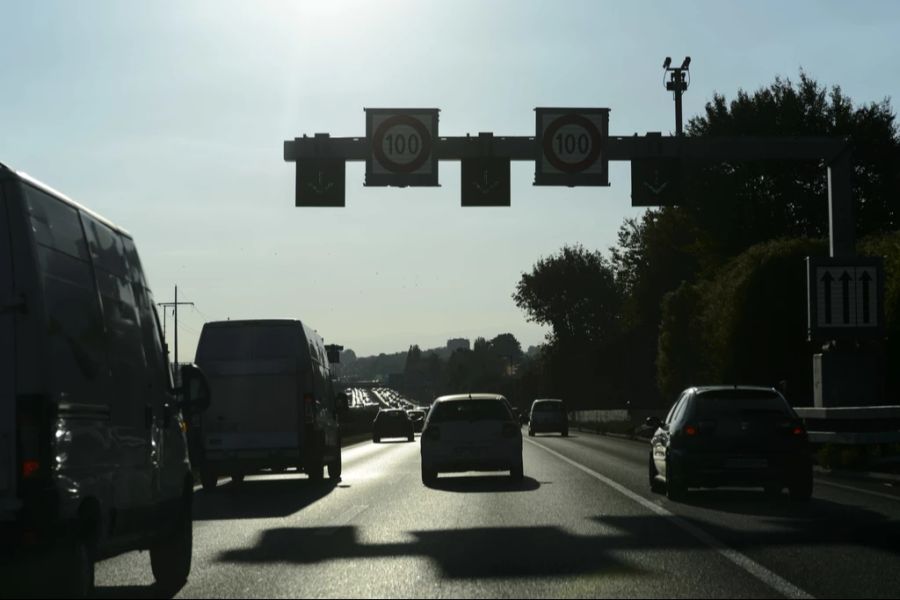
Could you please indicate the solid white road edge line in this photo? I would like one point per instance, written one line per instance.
(750, 566)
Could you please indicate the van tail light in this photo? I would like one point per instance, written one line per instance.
(433, 433)
(28, 434)
(511, 430)
(690, 430)
(798, 432)
(309, 408)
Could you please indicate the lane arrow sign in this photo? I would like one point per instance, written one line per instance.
(827, 279)
(487, 187)
(846, 279)
(866, 311)
(321, 187)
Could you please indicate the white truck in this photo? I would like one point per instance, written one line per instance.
(275, 404)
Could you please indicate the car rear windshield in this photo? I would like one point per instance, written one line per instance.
(250, 342)
(739, 404)
(548, 407)
(470, 410)
(393, 414)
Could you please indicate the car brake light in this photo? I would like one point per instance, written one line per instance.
(690, 430)
(798, 431)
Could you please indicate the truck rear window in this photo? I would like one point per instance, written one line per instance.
(248, 343)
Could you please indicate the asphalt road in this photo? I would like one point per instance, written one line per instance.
(583, 523)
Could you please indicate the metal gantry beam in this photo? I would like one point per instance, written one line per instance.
(833, 152)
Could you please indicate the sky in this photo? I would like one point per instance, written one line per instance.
(169, 119)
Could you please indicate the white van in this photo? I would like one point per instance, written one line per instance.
(275, 405)
(93, 456)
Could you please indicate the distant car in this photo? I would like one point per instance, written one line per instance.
(730, 436)
(471, 432)
(392, 423)
(548, 416)
(418, 419)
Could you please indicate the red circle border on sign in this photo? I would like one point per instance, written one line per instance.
(581, 121)
(378, 142)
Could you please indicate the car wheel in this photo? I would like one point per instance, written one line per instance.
(376, 439)
(801, 490)
(565, 433)
(334, 468)
(530, 432)
(411, 438)
(208, 480)
(74, 570)
(170, 557)
(772, 490)
(238, 478)
(517, 472)
(656, 485)
(429, 476)
(675, 486)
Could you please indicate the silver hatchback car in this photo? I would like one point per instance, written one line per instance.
(471, 432)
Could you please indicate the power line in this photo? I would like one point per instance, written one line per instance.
(175, 305)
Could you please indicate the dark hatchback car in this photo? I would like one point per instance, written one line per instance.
(392, 423)
(730, 436)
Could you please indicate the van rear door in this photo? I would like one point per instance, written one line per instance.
(8, 308)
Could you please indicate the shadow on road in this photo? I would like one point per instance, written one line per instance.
(481, 484)
(501, 552)
(260, 498)
(756, 502)
(132, 591)
(828, 524)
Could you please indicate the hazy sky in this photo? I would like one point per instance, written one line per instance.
(169, 119)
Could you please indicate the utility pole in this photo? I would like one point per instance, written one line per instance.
(679, 79)
(175, 305)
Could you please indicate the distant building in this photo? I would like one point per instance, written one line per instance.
(458, 344)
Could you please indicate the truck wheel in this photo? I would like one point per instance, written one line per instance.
(208, 480)
(334, 467)
(170, 556)
(74, 571)
(314, 469)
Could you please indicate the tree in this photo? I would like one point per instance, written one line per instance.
(739, 204)
(575, 292)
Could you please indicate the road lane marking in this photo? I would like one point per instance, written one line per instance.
(774, 581)
(859, 490)
(348, 516)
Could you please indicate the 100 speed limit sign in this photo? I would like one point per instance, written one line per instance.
(571, 144)
(401, 147)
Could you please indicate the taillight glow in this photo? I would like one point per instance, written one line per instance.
(30, 468)
(690, 430)
(799, 431)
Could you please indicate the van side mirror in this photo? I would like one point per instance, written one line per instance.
(334, 353)
(194, 390)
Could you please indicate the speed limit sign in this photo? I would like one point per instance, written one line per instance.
(571, 146)
(401, 145)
